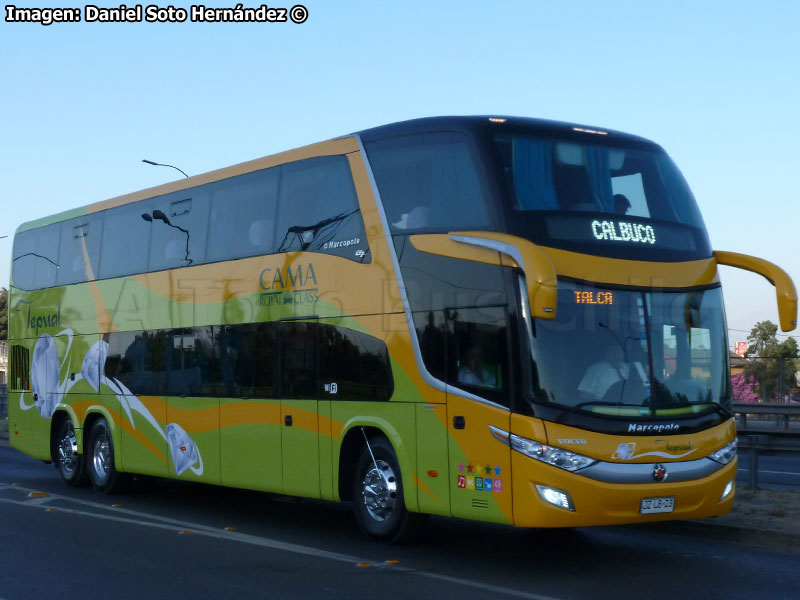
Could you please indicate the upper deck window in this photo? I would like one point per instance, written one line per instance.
(620, 199)
(429, 182)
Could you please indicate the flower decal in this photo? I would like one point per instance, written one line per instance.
(44, 376)
(94, 362)
(184, 452)
(48, 389)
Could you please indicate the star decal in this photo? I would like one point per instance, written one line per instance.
(488, 469)
(469, 468)
(497, 470)
(461, 468)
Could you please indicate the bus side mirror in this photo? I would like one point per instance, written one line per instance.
(784, 287)
(506, 250)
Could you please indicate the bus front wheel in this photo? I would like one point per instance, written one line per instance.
(102, 472)
(378, 501)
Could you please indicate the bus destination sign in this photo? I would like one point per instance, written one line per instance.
(620, 231)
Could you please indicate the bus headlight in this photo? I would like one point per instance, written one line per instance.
(557, 497)
(728, 490)
(558, 457)
(724, 455)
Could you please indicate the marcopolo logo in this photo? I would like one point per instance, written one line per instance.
(38, 321)
(652, 428)
(623, 232)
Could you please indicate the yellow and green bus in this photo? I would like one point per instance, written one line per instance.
(500, 319)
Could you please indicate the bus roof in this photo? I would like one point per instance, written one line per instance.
(475, 123)
(471, 124)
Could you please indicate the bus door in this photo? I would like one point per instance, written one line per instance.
(299, 408)
(478, 415)
(250, 411)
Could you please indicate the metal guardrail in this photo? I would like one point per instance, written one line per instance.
(765, 439)
(782, 411)
(770, 443)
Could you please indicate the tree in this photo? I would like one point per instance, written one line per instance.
(743, 387)
(3, 314)
(773, 363)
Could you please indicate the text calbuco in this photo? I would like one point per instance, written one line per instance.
(623, 232)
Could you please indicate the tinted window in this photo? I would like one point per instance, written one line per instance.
(80, 242)
(247, 360)
(353, 365)
(35, 261)
(179, 231)
(429, 182)
(318, 210)
(125, 361)
(191, 371)
(126, 240)
(298, 360)
(610, 197)
(243, 216)
(479, 360)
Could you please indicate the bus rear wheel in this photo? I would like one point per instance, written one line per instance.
(378, 501)
(70, 464)
(102, 473)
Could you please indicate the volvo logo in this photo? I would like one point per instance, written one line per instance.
(659, 472)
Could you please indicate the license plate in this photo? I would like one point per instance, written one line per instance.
(657, 505)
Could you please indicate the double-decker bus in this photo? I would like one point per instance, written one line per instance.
(500, 319)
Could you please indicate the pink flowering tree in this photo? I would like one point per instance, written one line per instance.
(744, 388)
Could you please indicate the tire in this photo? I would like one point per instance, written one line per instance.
(70, 464)
(100, 460)
(378, 501)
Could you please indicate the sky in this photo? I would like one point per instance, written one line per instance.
(715, 83)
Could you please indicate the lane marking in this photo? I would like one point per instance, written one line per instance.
(771, 472)
(168, 524)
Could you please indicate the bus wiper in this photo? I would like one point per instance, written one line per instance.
(716, 405)
(578, 407)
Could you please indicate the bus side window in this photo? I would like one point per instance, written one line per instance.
(245, 357)
(191, 371)
(35, 261)
(353, 365)
(80, 239)
(478, 360)
(298, 360)
(181, 242)
(126, 240)
(318, 209)
(243, 211)
(429, 182)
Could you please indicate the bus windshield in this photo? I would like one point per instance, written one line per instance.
(613, 200)
(632, 353)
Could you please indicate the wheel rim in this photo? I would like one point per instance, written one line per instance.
(68, 453)
(101, 457)
(379, 490)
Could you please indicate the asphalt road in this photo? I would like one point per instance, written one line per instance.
(167, 539)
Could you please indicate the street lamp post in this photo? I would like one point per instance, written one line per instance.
(150, 162)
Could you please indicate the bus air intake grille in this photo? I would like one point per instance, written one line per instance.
(480, 503)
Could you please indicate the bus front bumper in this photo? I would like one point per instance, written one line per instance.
(546, 496)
